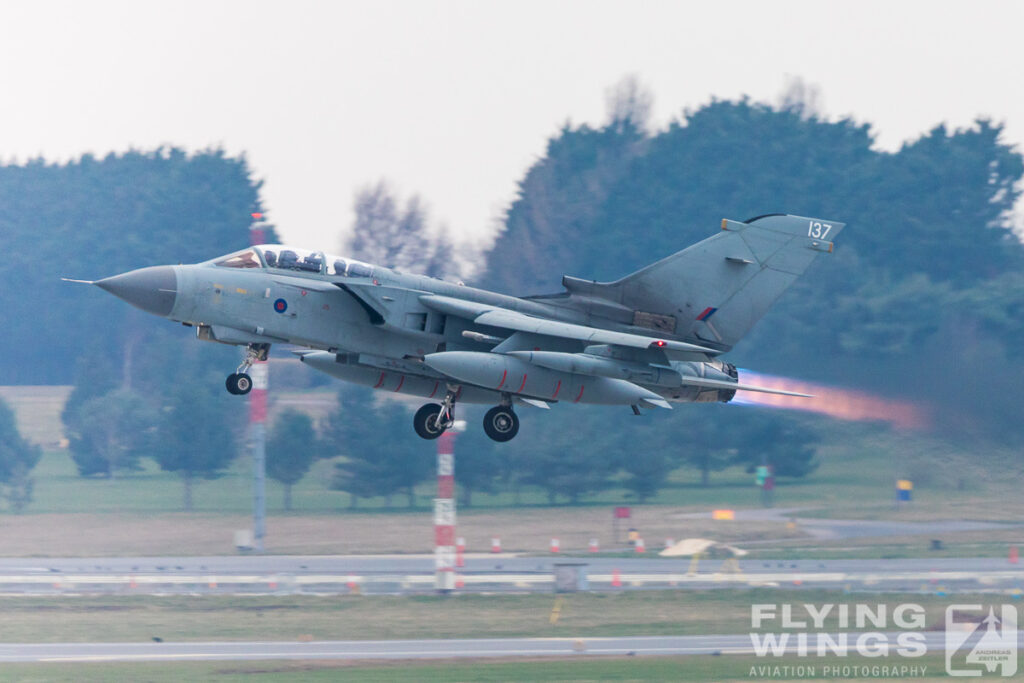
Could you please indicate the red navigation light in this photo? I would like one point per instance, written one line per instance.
(257, 216)
(659, 343)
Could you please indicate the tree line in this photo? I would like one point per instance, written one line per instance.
(921, 299)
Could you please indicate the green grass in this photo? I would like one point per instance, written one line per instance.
(577, 669)
(138, 512)
(855, 479)
(859, 464)
(583, 616)
(37, 410)
(256, 618)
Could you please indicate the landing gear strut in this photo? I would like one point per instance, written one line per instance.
(239, 382)
(501, 423)
(432, 419)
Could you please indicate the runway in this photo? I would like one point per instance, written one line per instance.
(403, 574)
(741, 644)
(475, 562)
(834, 529)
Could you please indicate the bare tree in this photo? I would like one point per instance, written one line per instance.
(801, 97)
(628, 103)
(381, 232)
(390, 234)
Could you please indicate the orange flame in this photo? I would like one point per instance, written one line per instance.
(842, 404)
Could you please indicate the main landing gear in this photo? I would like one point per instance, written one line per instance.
(431, 420)
(500, 423)
(239, 382)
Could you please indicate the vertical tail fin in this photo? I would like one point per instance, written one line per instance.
(716, 290)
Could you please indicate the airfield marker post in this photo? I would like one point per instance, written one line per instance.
(257, 422)
(620, 512)
(445, 559)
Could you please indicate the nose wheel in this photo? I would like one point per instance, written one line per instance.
(501, 423)
(239, 382)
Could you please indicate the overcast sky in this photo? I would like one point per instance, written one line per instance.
(454, 100)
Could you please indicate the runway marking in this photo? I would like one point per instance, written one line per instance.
(379, 654)
(725, 644)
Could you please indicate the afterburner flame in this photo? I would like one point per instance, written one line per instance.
(842, 404)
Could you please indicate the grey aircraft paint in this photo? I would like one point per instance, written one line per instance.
(647, 340)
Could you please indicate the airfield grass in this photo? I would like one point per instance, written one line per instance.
(141, 512)
(383, 617)
(577, 669)
(855, 480)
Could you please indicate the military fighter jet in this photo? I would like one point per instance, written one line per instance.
(647, 340)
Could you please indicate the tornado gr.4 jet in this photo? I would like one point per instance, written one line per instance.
(648, 340)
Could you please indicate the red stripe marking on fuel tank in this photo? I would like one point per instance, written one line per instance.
(380, 381)
(522, 385)
(558, 387)
(502, 382)
(400, 383)
(436, 385)
(582, 387)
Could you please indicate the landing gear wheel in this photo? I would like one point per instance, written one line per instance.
(238, 383)
(501, 423)
(425, 421)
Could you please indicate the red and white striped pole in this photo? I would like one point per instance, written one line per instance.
(460, 552)
(444, 511)
(257, 421)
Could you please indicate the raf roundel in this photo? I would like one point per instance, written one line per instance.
(280, 305)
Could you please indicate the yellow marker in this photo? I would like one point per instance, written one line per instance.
(241, 291)
(556, 611)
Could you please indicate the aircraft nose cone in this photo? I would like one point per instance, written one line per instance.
(154, 289)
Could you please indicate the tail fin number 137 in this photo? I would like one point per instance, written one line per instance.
(818, 230)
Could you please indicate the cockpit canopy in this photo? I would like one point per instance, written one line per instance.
(281, 257)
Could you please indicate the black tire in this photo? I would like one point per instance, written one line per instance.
(501, 423)
(239, 383)
(425, 421)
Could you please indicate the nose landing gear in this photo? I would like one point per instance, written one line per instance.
(239, 382)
